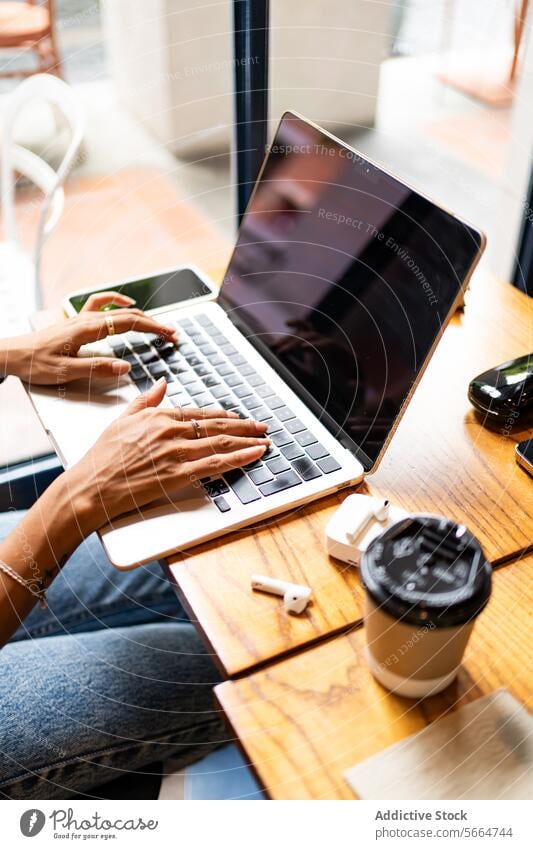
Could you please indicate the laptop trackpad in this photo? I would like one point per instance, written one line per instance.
(165, 526)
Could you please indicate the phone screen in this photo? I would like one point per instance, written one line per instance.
(525, 452)
(159, 290)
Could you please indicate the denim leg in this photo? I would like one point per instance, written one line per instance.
(78, 710)
(90, 594)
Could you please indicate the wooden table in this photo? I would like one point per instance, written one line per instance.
(304, 721)
(440, 460)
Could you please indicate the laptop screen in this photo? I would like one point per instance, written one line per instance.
(344, 277)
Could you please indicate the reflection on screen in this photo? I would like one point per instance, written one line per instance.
(159, 290)
(347, 275)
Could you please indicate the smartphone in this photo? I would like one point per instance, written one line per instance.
(159, 291)
(524, 455)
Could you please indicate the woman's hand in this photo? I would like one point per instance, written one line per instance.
(50, 356)
(150, 453)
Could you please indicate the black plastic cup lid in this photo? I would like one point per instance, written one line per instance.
(426, 570)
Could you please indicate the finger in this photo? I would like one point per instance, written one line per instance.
(105, 299)
(216, 445)
(217, 464)
(186, 413)
(151, 398)
(80, 367)
(94, 325)
(232, 427)
(133, 319)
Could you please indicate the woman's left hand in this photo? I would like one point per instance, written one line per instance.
(50, 356)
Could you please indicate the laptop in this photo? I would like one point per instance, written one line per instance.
(339, 287)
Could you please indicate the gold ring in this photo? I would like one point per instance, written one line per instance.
(196, 428)
(110, 325)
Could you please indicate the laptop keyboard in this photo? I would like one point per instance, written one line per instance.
(205, 370)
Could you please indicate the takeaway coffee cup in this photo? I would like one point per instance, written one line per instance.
(426, 581)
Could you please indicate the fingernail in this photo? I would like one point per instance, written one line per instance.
(118, 367)
(160, 381)
(260, 426)
(232, 415)
(129, 300)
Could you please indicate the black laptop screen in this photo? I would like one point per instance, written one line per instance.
(347, 276)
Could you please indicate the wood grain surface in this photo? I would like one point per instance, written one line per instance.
(305, 720)
(441, 460)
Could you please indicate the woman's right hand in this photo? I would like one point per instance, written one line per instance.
(151, 452)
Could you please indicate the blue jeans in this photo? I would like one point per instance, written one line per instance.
(110, 678)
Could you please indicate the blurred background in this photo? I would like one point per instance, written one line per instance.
(438, 91)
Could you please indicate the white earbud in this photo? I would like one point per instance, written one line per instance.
(295, 596)
(380, 513)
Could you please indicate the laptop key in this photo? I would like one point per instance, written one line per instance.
(259, 476)
(157, 369)
(264, 391)
(221, 392)
(201, 370)
(224, 370)
(241, 486)
(306, 468)
(211, 380)
(253, 379)
(148, 357)
(284, 481)
(228, 349)
(175, 388)
(328, 464)
(222, 504)
(295, 426)
(187, 377)
(144, 384)
(204, 400)
(284, 414)
(277, 465)
(137, 373)
(272, 451)
(316, 451)
(281, 438)
(247, 370)
(305, 438)
(242, 391)
(204, 320)
(216, 487)
(233, 379)
(180, 400)
(216, 360)
(291, 451)
(166, 350)
(273, 426)
(237, 359)
(193, 360)
(195, 388)
(252, 402)
(207, 350)
(117, 343)
(275, 403)
(135, 339)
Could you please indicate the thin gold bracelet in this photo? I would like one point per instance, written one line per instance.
(36, 588)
